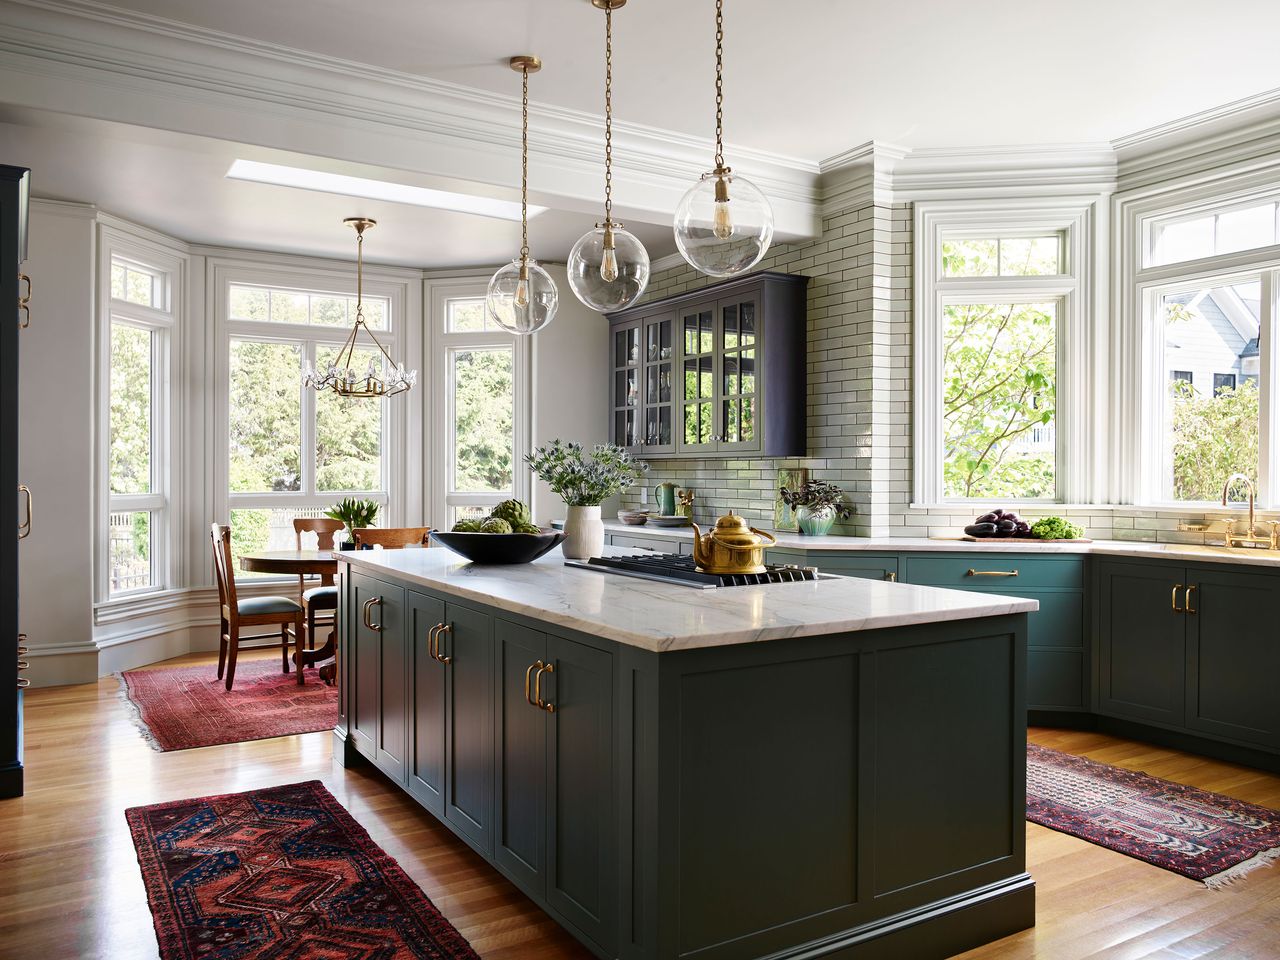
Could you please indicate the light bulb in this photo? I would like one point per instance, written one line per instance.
(522, 297)
(522, 294)
(609, 265)
(721, 220)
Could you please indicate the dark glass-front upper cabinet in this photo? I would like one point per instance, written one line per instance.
(715, 372)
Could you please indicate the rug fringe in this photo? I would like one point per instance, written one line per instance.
(1232, 874)
(135, 715)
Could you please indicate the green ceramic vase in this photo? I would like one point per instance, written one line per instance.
(815, 523)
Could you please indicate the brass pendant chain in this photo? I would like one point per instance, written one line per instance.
(608, 116)
(719, 85)
(359, 277)
(524, 169)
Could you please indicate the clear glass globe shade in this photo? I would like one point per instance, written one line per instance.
(522, 307)
(628, 268)
(719, 238)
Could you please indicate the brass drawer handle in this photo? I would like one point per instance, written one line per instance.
(528, 674)
(24, 303)
(1173, 600)
(23, 665)
(991, 573)
(26, 298)
(1186, 597)
(368, 604)
(537, 688)
(441, 630)
(23, 683)
(24, 528)
(431, 641)
(891, 577)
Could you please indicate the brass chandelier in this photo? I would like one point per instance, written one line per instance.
(381, 378)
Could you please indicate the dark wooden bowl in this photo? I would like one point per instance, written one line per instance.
(498, 548)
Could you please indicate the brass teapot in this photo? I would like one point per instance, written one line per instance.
(732, 547)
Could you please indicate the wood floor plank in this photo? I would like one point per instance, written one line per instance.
(70, 885)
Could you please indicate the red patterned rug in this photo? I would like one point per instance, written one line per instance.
(1201, 835)
(177, 708)
(283, 873)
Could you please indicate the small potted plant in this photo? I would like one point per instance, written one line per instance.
(354, 513)
(817, 503)
(583, 483)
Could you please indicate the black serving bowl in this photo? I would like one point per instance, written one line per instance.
(499, 547)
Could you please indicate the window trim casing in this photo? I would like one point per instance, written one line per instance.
(1074, 218)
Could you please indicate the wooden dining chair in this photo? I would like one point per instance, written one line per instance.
(392, 538)
(250, 612)
(325, 596)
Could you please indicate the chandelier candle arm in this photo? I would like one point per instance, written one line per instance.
(522, 298)
(722, 231)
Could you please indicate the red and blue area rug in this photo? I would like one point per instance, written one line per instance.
(283, 873)
(1201, 835)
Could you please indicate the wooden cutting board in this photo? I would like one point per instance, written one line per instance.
(970, 539)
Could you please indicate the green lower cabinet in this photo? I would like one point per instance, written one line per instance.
(865, 566)
(466, 644)
(556, 831)
(1233, 655)
(425, 771)
(377, 707)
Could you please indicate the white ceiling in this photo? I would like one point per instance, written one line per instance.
(812, 78)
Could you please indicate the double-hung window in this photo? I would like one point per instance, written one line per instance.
(292, 451)
(1206, 283)
(141, 293)
(480, 385)
(998, 307)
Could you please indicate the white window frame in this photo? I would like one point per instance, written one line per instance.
(1136, 344)
(1072, 218)
(164, 322)
(398, 338)
(441, 345)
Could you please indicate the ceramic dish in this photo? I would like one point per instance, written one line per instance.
(499, 547)
(676, 520)
(634, 518)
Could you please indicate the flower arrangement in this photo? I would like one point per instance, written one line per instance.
(820, 496)
(354, 513)
(585, 481)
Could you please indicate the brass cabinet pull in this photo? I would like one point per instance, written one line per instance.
(440, 632)
(23, 665)
(24, 303)
(431, 641)
(1186, 597)
(23, 683)
(24, 528)
(537, 688)
(368, 605)
(27, 280)
(528, 674)
(891, 577)
(991, 573)
(1174, 599)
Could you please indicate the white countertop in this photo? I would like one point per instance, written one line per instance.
(661, 616)
(1111, 548)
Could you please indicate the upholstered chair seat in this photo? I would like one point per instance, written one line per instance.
(251, 606)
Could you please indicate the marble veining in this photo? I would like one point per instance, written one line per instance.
(661, 616)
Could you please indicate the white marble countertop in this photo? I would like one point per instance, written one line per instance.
(662, 616)
(1111, 548)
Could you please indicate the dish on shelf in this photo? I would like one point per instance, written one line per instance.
(634, 518)
(669, 520)
(499, 548)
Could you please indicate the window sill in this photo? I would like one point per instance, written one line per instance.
(1163, 509)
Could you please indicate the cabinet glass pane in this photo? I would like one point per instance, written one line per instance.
(625, 388)
(658, 384)
(730, 367)
(747, 325)
(731, 421)
(658, 341)
(626, 347)
(624, 428)
(706, 382)
(747, 371)
(748, 422)
(705, 336)
(697, 423)
(658, 425)
(729, 329)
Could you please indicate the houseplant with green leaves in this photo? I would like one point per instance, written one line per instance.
(817, 503)
(355, 513)
(584, 481)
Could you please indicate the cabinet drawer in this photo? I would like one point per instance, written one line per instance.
(1055, 680)
(656, 544)
(868, 566)
(994, 571)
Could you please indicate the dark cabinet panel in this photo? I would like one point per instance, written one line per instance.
(363, 665)
(1233, 655)
(1055, 679)
(625, 415)
(1141, 642)
(467, 643)
(581, 842)
(520, 841)
(393, 691)
(425, 773)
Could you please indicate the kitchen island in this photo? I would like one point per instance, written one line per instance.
(812, 769)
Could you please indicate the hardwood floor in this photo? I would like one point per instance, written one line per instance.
(70, 885)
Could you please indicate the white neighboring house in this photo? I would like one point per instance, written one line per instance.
(1216, 346)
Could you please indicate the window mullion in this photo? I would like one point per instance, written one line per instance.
(1268, 450)
(307, 354)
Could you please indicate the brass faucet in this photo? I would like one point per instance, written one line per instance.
(1250, 536)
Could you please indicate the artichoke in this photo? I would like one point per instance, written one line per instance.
(467, 526)
(512, 511)
(526, 528)
(495, 525)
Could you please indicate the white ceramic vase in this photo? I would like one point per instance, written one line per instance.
(583, 533)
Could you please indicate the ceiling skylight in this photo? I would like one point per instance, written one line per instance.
(346, 186)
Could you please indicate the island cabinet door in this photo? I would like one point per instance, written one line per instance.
(364, 664)
(465, 646)
(1141, 641)
(581, 832)
(1233, 655)
(388, 619)
(425, 769)
(519, 843)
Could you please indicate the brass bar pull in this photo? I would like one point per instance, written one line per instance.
(1186, 597)
(1174, 599)
(368, 605)
(444, 628)
(991, 573)
(537, 688)
(26, 298)
(891, 577)
(24, 528)
(23, 665)
(528, 674)
(431, 641)
(23, 683)
(26, 316)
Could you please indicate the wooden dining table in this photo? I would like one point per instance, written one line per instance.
(301, 563)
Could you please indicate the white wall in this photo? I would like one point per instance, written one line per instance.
(570, 399)
(55, 452)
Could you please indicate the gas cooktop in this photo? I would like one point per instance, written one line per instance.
(679, 568)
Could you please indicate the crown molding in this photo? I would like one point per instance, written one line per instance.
(668, 262)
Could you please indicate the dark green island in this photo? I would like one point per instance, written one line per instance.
(802, 770)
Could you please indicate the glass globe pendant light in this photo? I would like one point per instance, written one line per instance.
(724, 224)
(608, 267)
(522, 297)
